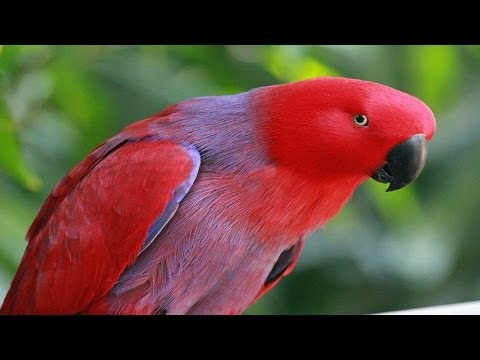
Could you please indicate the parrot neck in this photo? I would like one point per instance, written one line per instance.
(280, 204)
(311, 203)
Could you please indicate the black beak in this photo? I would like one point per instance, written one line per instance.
(404, 163)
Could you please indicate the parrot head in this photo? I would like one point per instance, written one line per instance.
(333, 126)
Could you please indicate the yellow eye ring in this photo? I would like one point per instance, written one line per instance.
(360, 120)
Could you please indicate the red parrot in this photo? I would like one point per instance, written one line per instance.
(204, 207)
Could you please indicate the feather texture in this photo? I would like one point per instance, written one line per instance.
(103, 211)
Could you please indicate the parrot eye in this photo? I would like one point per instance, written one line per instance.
(360, 120)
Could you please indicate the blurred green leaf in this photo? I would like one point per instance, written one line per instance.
(436, 72)
(396, 207)
(289, 64)
(11, 160)
(78, 95)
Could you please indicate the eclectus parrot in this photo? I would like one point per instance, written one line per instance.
(204, 207)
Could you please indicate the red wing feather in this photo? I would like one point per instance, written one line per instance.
(94, 223)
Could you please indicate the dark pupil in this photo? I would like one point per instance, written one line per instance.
(360, 119)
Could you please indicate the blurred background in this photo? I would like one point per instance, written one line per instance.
(385, 251)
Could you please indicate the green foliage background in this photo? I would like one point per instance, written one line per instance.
(385, 251)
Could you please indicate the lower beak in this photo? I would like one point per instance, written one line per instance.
(404, 163)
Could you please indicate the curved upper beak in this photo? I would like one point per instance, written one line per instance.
(404, 163)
